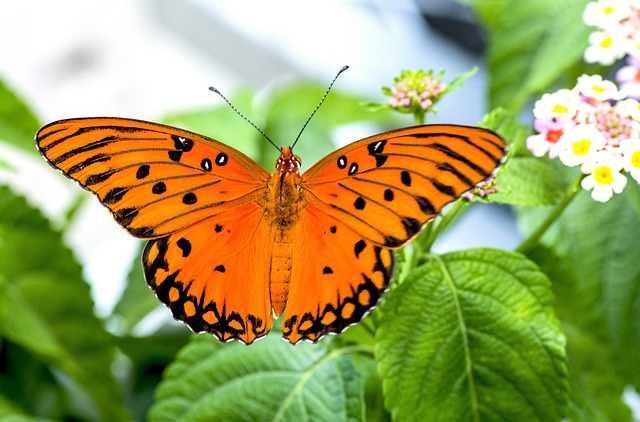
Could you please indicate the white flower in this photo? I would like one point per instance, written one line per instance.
(606, 13)
(630, 149)
(593, 86)
(629, 107)
(579, 144)
(604, 177)
(560, 104)
(606, 47)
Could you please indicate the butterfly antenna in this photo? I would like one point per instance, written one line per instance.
(319, 104)
(244, 117)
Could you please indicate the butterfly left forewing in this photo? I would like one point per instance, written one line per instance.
(213, 275)
(155, 179)
(387, 187)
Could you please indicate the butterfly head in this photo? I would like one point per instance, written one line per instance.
(288, 162)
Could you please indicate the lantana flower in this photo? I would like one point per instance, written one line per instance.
(418, 91)
(592, 126)
(618, 30)
(579, 144)
(630, 149)
(604, 177)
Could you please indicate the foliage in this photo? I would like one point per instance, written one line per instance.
(549, 331)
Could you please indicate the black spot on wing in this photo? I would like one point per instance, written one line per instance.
(181, 143)
(222, 159)
(190, 198)
(95, 179)
(220, 269)
(185, 245)
(159, 188)
(175, 155)
(375, 149)
(411, 226)
(405, 178)
(125, 216)
(425, 205)
(359, 247)
(142, 172)
(447, 190)
(114, 196)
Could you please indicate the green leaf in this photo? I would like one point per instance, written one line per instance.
(270, 380)
(602, 244)
(47, 309)
(471, 335)
(532, 44)
(596, 384)
(18, 125)
(147, 359)
(523, 179)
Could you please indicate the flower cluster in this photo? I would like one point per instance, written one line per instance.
(592, 126)
(415, 91)
(482, 190)
(618, 34)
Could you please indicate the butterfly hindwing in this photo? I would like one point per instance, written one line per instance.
(336, 277)
(214, 274)
(155, 179)
(388, 186)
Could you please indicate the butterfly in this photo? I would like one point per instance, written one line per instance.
(231, 247)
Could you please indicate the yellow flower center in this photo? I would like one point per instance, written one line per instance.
(635, 159)
(606, 43)
(603, 175)
(559, 108)
(607, 10)
(581, 147)
(598, 88)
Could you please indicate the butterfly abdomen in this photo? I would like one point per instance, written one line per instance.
(280, 274)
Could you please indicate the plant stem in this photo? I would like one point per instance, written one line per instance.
(445, 220)
(418, 117)
(536, 235)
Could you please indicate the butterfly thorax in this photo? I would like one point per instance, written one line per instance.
(283, 206)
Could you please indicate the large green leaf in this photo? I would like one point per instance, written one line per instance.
(270, 380)
(532, 44)
(18, 125)
(471, 336)
(46, 309)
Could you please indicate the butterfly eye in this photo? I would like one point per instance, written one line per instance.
(297, 158)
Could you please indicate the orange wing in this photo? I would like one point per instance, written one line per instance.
(214, 275)
(365, 199)
(388, 186)
(155, 179)
(197, 200)
(336, 277)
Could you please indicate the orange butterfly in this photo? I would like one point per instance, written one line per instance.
(231, 247)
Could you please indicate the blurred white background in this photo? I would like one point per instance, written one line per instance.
(142, 59)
